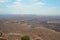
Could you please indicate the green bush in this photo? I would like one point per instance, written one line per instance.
(25, 38)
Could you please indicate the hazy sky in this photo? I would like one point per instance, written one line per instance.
(40, 7)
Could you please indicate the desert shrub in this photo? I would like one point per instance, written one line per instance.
(25, 38)
(1, 34)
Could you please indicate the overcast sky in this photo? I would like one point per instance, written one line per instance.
(40, 7)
